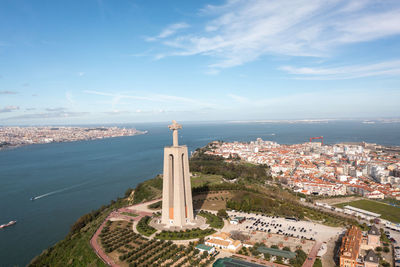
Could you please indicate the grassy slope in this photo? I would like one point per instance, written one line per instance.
(148, 190)
(75, 250)
(388, 212)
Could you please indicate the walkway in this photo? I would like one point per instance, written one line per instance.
(117, 215)
(96, 247)
(312, 255)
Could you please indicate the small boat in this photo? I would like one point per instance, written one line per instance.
(33, 198)
(8, 224)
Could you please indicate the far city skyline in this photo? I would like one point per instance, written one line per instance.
(102, 61)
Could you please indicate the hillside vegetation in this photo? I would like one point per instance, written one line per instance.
(148, 190)
(75, 249)
(215, 165)
(248, 193)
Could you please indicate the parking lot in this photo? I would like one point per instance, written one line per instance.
(397, 255)
(285, 227)
(396, 236)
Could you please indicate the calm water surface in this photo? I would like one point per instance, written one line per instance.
(75, 178)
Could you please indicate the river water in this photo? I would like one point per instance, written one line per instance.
(75, 178)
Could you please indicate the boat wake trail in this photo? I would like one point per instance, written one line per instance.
(57, 191)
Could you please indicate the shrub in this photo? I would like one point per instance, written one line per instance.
(144, 228)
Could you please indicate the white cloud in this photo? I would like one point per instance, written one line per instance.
(387, 68)
(137, 111)
(8, 93)
(169, 31)
(69, 98)
(240, 99)
(117, 112)
(55, 109)
(241, 31)
(8, 109)
(158, 98)
(48, 115)
(80, 74)
(319, 104)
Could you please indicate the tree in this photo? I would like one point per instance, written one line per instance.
(267, 256)
(378, 249)
(317, 263)
(255, 252)
(286, 249)
(222, 213)
(386, 249)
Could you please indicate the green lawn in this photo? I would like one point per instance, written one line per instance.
(202, 179)
(388, 212)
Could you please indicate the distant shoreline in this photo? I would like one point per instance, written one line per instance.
(8, 146)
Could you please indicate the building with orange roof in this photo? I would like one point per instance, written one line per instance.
(350, 248)
(223, 241)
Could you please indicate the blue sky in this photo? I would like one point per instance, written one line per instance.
(105, 61)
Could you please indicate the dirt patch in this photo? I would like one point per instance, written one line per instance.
(211, 201)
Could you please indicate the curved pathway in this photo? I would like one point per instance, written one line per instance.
(96, 247)
(139, 209)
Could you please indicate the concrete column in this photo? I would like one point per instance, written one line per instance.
(175, 138)
(188, 187)
(166, 189)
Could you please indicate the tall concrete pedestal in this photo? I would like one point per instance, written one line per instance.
(177, 203)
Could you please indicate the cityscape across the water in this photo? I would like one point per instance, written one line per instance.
(19, 136)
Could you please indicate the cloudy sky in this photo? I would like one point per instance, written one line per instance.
(106, 61)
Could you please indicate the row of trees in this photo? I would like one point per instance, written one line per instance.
(186, 234)
(221, 187)
(112, 239)
(144, 228)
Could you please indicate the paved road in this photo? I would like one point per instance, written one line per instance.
(312, 255)
(100, 253)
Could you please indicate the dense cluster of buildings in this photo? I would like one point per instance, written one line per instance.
(357, 248)
(18, 136)
(312, 168)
